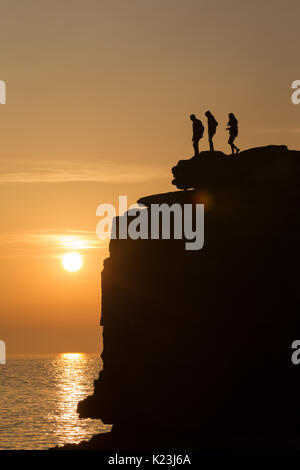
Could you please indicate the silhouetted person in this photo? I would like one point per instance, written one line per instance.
(212, 127)
(232, 126)
(198, 130)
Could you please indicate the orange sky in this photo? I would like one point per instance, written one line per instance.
(98, 99)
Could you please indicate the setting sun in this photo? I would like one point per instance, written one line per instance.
(72, 261)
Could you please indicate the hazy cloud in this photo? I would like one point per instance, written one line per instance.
(49, 242)
(66, 172)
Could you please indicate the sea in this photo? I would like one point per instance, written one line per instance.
(39, 397)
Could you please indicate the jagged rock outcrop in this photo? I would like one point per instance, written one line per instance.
(197, 344)
(219, 169)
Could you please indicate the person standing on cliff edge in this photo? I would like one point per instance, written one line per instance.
(232, 127)
(212, 127)
(198, 130)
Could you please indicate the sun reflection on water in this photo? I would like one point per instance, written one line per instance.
(72, 356)
(39, 398)
(71, 388)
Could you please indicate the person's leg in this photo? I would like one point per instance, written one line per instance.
(234, 146)
(230, 142)
(196, 147)
(211, 144)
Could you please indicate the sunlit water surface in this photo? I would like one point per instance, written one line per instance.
(39, 397)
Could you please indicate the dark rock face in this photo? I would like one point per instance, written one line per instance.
(197, 344)
(219, 169)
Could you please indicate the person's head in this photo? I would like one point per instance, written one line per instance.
(208, 113)
(192, 117)
(232, 118)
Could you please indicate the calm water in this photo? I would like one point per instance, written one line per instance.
(39, 397)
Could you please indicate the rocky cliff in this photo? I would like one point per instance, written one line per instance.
(197, 344)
